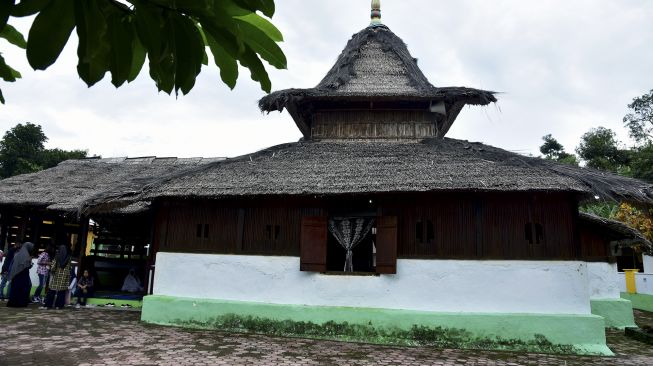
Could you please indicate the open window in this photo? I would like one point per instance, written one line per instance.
(349, 244)
(534, 233)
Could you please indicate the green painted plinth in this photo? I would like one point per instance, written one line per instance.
(618, 313)
(640, 301)
(559, 333)
(103, 301)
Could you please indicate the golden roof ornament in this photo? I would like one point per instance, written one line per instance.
(376, 13)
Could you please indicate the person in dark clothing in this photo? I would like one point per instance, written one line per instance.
(84, 288)
(4, 272)
(19, 277)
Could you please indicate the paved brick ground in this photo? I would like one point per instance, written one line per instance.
(115, 337)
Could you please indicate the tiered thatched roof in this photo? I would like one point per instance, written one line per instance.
(433, 165)
(309, 168)
(75, 183)
(375, 65)
(340, 167)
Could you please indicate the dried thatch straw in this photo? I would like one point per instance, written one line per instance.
(341, 167)
(375, 65)
(310, 168)
(75, 183)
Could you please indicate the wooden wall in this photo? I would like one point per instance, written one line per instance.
(487, 226)
(271, 229)
(373, 124)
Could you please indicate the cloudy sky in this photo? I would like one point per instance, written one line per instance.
(563, 67)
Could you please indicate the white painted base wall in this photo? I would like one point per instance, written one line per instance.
(551, 287)
(643, 283)
(648, 263)
(603, 280)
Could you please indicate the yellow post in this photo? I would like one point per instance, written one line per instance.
(630, 280)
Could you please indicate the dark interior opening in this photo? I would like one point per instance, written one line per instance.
(363, 254)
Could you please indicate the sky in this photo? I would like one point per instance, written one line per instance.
(562, 67)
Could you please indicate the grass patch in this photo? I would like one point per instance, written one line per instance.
(416, 336)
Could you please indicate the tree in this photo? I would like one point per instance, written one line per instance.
(115, 36)
(599, 149)
(640, 118)
(640, 219)
(22, 151)
(553, 150)
(641, 164)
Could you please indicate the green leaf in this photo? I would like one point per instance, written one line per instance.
(13, 36)
(28, 7)
(187, 46)
(256, 69)
(195, 7)
(263, 45)
(93, 48)
(7, 73)
(137, 61)
(227, 64)
(263, 25)
(149, 21)
(49, 33)
(225, 37)
(5, 8)
(120, 35)
(265, 6)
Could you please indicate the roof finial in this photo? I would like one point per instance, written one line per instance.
(376, 13)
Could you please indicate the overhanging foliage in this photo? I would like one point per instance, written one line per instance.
(116, 36)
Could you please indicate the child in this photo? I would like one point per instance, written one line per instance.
(84, 288)
(43, 269)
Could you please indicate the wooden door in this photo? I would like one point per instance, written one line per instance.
(386, 244)
(313, 251)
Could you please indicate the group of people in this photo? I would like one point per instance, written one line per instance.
(54, 271)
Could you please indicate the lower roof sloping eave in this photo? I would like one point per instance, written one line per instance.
(432, 165)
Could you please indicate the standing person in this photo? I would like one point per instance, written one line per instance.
(4, 272)
(84, 288)
(71, 287)
(59, 279)
(42, 270)
(19, 277)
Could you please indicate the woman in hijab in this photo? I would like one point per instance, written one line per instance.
(131, 283)
(19, 277)
(59, 279)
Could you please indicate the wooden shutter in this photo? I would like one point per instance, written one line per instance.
(313, 252)
(386, 244)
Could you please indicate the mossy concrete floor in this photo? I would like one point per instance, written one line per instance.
(100, 337)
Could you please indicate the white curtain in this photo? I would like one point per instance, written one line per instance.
(349, 232)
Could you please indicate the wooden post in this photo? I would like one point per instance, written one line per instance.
(241, 230)
(480, 228)
(35, 229)
(4, 226)
(59, 233)
(22, 227)
(82, 234)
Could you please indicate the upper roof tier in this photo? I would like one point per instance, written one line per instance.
(374, 66)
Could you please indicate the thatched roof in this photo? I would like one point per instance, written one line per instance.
(341, 167)
(618, 232)
(433, 165)
(124, 186)
(75, 183)
(375, 65)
